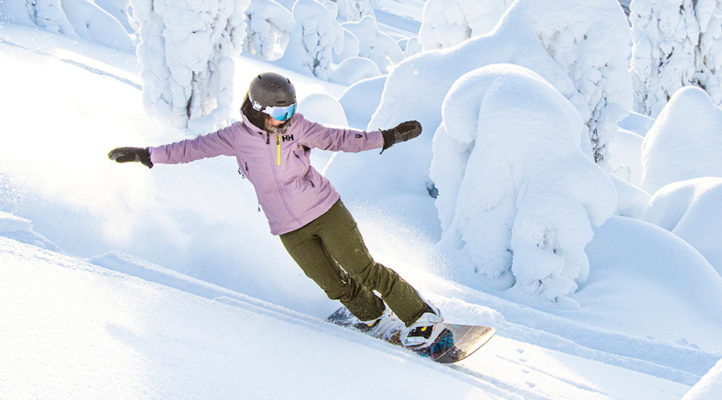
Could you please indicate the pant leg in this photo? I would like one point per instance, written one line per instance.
(341, 236)
(311, 255)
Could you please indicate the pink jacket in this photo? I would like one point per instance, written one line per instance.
(291, 192)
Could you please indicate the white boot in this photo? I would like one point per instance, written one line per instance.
(424, 331)
(382, 327)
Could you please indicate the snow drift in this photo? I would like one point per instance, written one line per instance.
(685, 141)
(709, 387)
(677, 282)
(691, 210)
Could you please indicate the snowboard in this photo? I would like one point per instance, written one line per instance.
(455, 343)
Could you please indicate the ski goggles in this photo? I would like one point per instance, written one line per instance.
(281, 113)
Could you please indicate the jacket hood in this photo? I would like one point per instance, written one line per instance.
(256, 118)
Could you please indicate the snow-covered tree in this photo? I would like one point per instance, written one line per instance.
(448, 22)
(185, 51)
(354, 69)
(353, 10)
(625, 5)
(350, 48)
(665, 35)
(91, 22)
(268, 29)
(518, 196)
(119, 10)
(675, 44)
(709, 52)
(594, 53)
(579, 47)
(674, 150)
(49, 14)
(411, 46)
(374, 44)
(315, 37)
(74, 18)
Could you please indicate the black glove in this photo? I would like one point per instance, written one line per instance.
(401, 133)
(131, 154)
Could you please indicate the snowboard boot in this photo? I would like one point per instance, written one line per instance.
(383, 327)
(424, 331)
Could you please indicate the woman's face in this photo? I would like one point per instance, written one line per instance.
(272, 124)
(275, 126)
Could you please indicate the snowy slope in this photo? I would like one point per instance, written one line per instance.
(93, 333)
(81, 319)
(72, 329)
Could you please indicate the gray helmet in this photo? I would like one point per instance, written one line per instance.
(271, 90)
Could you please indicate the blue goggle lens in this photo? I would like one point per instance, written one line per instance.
(281, 113)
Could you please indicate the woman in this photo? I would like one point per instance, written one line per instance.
(272, 145)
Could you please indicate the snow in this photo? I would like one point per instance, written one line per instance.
(709, 386)
(92, 22)
(447, 23)
(679, 284)
(684, 142)
(141, 340)
(564, 44)
(123, 282)
(631, 200)
(361, 99)
(313, 41)
(626, 160)
(268, 29)
(186, 52)
(375, 45)
(709, 55)
(120, 11)
(519, 206)
(663, 60)
(354, 10)
(354, 69)
(97, 21)
(21, 230)
(691, 210)
(675, 44)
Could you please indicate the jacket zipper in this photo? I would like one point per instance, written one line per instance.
(275, 175)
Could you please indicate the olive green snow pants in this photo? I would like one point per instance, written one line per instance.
(331, 251)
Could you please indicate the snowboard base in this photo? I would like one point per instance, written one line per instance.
(455, 343)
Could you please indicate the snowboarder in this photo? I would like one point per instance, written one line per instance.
(272, 145)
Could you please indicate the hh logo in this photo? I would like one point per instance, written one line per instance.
(287, 138)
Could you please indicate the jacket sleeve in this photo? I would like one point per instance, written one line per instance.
(219, 143)
(336, 139)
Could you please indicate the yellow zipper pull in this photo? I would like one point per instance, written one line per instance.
(279, 149)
